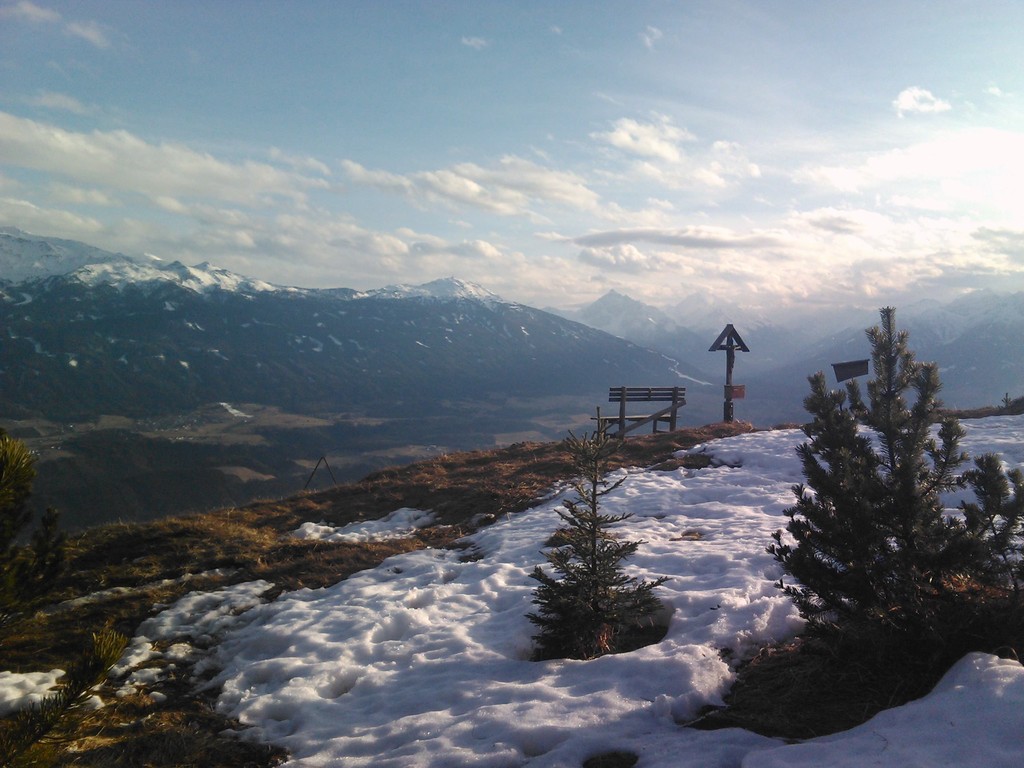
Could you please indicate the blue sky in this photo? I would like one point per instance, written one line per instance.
(782, 155)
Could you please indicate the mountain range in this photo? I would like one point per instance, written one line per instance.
(147, 339)
(150, 363)
(974, 340)
(149, 387)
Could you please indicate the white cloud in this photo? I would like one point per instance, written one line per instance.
(426, 245)
(508, 189)
(26, 11)
(480, 249)
(170, 204)
(970, 170)
(845, 222)
(476, 43)
(299, 163)
(659, 139)
(724, 163)
(1007, 243)
(839, 178)
(624, 257)
(120, 160)
(34, 218)
(60, 101)
(857, 255)
(391, 182)
(919, 100)
(650, 36)
(708, 171)
(692, 237)
(809, 259)
(930, 203)
(67, 194)
(89, 31)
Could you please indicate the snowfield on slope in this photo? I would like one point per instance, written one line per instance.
(425, 660)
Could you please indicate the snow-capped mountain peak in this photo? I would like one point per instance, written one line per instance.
(625, 317)
(201, 278)
(205, 277)
(444, 288)
(27, 257)
(24, 256)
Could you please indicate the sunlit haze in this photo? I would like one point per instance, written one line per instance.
(791, 155)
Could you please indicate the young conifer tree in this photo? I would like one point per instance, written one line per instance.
(996, 520)
(25, 571)
(583, 611)
(870, 541)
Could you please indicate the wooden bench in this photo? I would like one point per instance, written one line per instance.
(675, 396)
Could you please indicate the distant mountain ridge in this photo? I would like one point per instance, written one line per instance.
(202, 333)
(134, 378)
(27, 257)
(150, 388)
(443, 289)
(140, 338)
(975, 340)
(24, 256)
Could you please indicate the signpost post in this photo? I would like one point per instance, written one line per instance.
(730, 341)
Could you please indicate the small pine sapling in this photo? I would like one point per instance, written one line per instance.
(584, 611)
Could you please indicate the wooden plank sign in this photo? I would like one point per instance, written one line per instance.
(735, 391)
(850, 369)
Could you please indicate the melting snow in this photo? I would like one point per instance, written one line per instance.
(424, 660)
(398, 524)
(20, 690)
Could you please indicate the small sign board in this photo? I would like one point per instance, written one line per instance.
(850, 369)
(735, 391)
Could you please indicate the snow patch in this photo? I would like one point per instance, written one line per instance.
(398, 524)
(20, 690)
(234, 411)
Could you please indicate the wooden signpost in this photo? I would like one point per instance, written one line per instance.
(730, 341)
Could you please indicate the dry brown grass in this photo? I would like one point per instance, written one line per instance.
(128, 569)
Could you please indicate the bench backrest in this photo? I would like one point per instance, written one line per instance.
(646, 394)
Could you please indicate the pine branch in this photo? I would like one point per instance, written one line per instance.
(27, 727)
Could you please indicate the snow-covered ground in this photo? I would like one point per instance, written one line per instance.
(424, 661)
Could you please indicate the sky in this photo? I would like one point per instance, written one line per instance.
(779, 155)
(424, 661)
